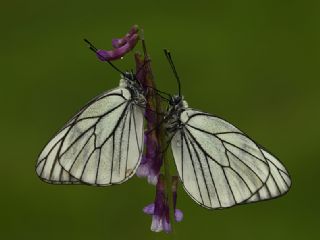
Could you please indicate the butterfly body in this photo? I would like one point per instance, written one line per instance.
(172, 119)
(137, 92)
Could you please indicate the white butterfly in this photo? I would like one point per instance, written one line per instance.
(218, 164)
(102, 144)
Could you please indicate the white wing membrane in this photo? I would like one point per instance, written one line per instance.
(105, 148)
(278, 183)
(218, 164)
(48, 167)
(101, 145)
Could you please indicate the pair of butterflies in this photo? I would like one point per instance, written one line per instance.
(218, 165)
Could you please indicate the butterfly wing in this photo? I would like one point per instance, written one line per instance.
(47, 167)
(101, 145)
(218, 165)
(278, 183)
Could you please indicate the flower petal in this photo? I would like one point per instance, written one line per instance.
(178, 215)
(156, 225)
(166, 226)
(118, 53)
(119, 42)
(149, 209)
(153, 179)
(143, 170)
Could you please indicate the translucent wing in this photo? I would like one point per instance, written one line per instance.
(278, 183)
(219, 165)
(48, 168)
(101, 145)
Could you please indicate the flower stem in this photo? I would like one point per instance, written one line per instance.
(168, 180)
(160, 135)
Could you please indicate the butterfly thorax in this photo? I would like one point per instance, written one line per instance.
(176, 106)
(135, 89)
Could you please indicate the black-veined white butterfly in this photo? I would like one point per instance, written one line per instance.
(219, 165)
(100, 145)
(103, 143)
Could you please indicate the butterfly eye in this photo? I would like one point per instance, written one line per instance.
(176, 100)
(128, 75)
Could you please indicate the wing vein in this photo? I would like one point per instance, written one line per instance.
(247, 166)
(192, 162)
(76, 158)
(129, 134)
(201, 167)
(98, 166)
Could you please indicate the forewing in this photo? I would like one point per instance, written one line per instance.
(219, 165)
(47, 167)
(103, 146)
(278, 183)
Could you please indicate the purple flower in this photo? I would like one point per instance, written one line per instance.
(119, 42)
(160, 208)
(152, 159)
(121, 46)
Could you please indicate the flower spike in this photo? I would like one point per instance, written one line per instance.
(160, 209)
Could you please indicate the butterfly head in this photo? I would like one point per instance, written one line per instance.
(129, 81)
(177, 102)
(176, 106)
(129, 76)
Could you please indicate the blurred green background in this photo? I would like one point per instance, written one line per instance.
(255, 63)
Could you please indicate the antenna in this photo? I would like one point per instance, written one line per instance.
(169, 58)
(95, 50)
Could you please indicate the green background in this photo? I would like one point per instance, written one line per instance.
(255, 63)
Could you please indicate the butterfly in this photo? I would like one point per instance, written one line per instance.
(219, 165)
(103, 143)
